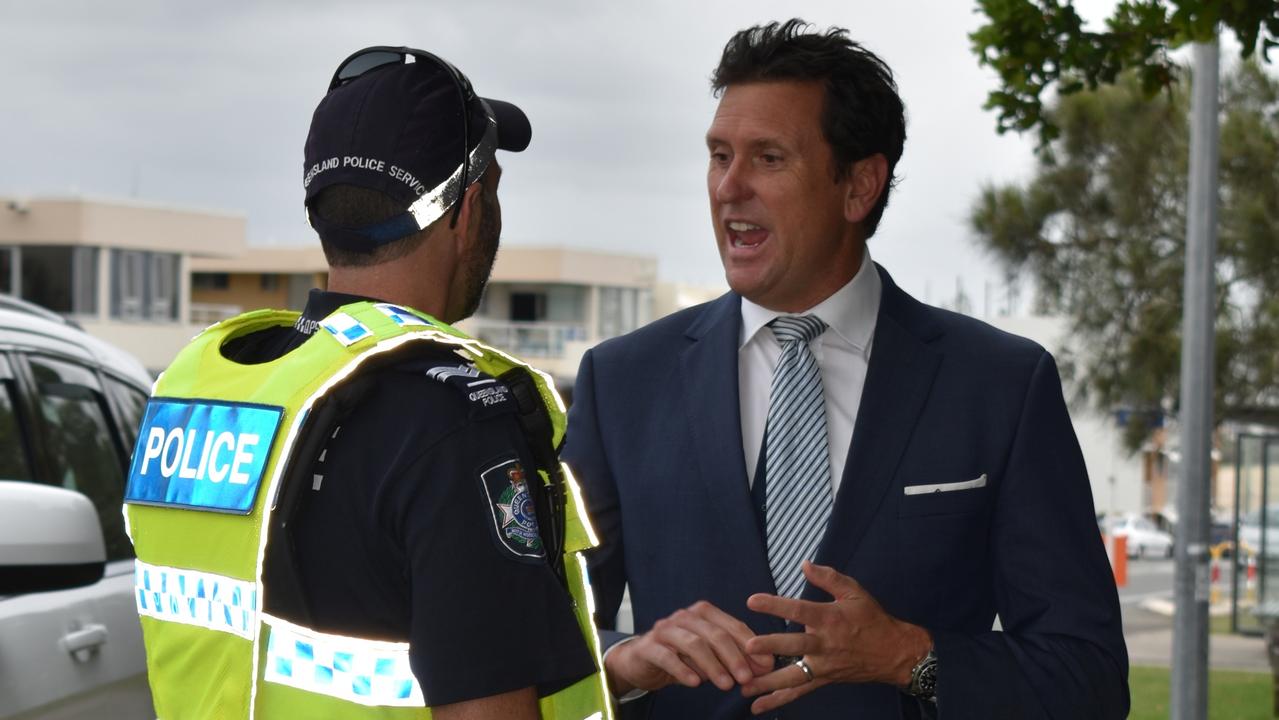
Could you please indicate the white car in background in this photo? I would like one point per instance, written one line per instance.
(1143, 538)
(70, 641)
(1250, 531)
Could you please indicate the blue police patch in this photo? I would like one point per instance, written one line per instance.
(399, 315)
(202, 454)
(345, 328)
(514, 516)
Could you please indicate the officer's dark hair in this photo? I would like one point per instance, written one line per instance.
(355, 206)
(862, 114)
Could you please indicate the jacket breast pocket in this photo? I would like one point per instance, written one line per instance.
(944, 498)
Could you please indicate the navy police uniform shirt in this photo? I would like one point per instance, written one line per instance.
(418, 524)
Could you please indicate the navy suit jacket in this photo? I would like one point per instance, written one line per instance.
(655, 439)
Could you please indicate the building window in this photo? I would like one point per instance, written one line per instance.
(622, 310)
(144, 285)
(84, 281)
(269, 282)
(7, 265)
(128, 284)
(163, 286)
(567, 304)
(528, 306)
(63, 279)
(210, 281)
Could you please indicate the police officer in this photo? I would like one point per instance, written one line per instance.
(358, 511)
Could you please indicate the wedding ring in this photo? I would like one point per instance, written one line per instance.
(804, 666)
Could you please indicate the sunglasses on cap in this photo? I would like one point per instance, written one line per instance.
(375, 58)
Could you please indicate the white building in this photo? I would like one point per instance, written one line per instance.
(121, 269)
(550, 304)
(148, 277)
(1117, 475)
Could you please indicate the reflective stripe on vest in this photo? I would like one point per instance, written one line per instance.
(196, 598)
(368, 672)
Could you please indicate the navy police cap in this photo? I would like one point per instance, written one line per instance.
(397, 129)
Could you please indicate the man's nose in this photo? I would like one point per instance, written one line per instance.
(732, 185)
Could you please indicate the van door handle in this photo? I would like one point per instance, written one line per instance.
(82, 642)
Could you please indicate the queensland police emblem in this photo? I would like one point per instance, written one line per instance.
(514, 516)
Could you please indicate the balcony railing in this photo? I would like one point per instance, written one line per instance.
(526, 339)
(209, 313)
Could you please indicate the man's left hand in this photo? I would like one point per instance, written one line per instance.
(848, 640)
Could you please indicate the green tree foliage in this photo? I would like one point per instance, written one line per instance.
(1101, 229)
(1035, 45)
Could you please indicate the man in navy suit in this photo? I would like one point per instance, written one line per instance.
(923, 461)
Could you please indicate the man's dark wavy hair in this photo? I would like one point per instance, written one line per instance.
(863, 114)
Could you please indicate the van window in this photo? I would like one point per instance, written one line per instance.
(13, 455)
(131, 403)
(77, 436)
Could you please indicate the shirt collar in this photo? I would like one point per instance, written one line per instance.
(322, 303)
(850, 311)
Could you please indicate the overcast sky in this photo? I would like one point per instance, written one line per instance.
(207, 105)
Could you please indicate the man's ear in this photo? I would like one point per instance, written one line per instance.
(470, 213)
(866, 180)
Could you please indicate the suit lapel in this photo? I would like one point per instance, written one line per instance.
(898, 379)
(710, 396)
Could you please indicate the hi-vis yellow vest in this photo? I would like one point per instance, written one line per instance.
(207, 470)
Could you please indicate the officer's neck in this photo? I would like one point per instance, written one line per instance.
(422, 280)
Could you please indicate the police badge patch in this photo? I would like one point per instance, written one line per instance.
(514, 517)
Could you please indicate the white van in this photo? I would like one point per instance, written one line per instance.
(70, 642)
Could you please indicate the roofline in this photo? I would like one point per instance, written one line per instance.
(127, 203)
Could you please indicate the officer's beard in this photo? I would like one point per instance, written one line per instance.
(480, 264)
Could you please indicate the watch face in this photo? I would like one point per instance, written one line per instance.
(928, 680)
(924, 684)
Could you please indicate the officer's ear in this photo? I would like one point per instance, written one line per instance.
(470, 212)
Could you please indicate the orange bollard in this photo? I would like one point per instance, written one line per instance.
(1250, 583)
(1214, 593)
(1119, 559)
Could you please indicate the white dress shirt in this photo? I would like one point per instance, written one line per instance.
(842, 354)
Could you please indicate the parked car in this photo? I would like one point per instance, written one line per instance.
(70, 405)
(1143, 538)
(1250, 530)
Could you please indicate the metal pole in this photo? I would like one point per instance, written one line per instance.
(1234, 538)
(1190, 583)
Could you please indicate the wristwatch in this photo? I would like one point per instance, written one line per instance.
(923, 678)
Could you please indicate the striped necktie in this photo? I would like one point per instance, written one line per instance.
(798, 497)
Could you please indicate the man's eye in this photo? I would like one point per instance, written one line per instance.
(719, 157)
(770, 159)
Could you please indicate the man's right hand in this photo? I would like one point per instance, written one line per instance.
(698, 643)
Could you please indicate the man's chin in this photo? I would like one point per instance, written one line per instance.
(744, 284)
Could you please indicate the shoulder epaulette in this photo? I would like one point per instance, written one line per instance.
(482, 390)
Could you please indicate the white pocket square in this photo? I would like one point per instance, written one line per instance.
(946, 487)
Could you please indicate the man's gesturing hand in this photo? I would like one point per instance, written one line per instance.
(700, 642)
(849, 640)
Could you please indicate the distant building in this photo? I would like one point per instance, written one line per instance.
(148, 277)
(258, 277)
(550, 304)
(669, 297)
(121, 269)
